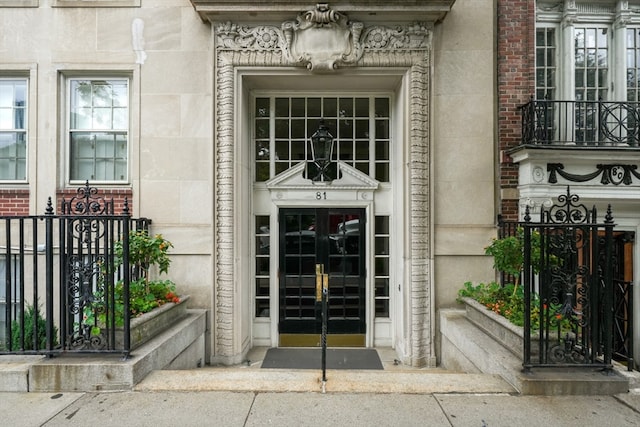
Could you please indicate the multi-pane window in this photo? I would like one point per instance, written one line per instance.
(592, 64)
(381, 270)
(98, 129)
(591, 81)
(263, 252)
(545, 63)
(283, 127)
(633, 64)
(13, 129)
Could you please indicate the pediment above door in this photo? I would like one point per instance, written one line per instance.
(351, 185)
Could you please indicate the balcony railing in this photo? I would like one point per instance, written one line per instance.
(581, 123)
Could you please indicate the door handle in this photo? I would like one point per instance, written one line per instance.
(322, 281)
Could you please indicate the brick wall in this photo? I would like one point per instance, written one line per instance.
(516, 85)
(14, 202)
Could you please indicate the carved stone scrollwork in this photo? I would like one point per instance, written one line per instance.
(322, 39)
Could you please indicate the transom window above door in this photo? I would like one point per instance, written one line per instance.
(284, 125)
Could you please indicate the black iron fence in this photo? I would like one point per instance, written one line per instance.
(581, 123)
(65, 286)
(577, 303)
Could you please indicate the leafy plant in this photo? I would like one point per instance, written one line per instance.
(32, 317)
(146, 253)
(507, 301)
(508, 253)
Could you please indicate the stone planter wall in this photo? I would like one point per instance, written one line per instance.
(505, 332)
(147, 326)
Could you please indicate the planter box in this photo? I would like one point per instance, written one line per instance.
(147, 326)
(498, 327)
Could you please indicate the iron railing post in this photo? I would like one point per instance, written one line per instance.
(49, 275)
(608, 273)
(7, 285)
(630, 293)
(126, 279)
(527, 294)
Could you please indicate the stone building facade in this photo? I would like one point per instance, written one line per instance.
(201, 114)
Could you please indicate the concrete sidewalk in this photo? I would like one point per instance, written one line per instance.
(230, 409)
(247, 395)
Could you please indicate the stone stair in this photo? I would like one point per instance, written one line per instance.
(470, 346)
(181, 346)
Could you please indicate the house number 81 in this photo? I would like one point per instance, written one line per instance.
(321, 195)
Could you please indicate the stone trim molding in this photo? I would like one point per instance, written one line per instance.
(375, 46)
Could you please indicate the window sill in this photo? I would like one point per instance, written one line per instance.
(19, 3)
(95, 3)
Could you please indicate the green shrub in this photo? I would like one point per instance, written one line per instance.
(30, 319)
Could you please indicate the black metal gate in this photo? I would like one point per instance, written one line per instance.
(568, 287)
(61, 277)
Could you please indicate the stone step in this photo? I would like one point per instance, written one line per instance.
(466, 346)
(179, 347)
(14, 372)
(310, 380)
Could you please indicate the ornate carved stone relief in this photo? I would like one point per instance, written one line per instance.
(323, 40)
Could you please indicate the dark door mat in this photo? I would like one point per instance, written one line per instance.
(311, 358)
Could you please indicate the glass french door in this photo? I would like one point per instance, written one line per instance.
(335, 239)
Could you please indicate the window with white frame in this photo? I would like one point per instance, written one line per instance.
(633, 64)
(587, 59)
(262, 273)
(13, 129)
(591, 61)
(545, 63)
(284, 125)
(98, 130)
(576, 59)
(382, 266)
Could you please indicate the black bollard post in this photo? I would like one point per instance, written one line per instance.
(324, 336)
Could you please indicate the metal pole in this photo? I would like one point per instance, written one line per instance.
(126, 277)
(527, 299)
(325, 291)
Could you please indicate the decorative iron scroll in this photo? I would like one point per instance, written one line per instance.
(567, 211)
(84, 281)
(87, 202)
(615, 174)
(89, 236)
